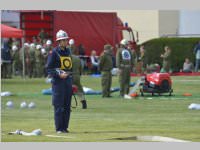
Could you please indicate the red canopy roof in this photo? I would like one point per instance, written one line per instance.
(7, 32)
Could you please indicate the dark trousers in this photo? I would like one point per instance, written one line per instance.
(61, 117)
(197, 65)
(62, 93)
(6, 70)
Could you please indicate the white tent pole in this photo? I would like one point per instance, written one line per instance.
(23, 57)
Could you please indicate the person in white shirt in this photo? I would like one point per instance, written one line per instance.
(94, 62)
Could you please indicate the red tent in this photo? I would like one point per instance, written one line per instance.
(7, 32)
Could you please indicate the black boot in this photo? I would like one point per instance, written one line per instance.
(84, 104)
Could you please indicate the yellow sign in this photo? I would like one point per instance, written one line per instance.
(66, 62)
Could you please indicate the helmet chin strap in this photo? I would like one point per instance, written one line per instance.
(62, 47)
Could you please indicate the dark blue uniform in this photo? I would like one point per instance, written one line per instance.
(57, 61)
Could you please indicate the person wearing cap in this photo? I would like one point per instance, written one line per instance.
(59, 67)
(124, 62)
(105, 66)
(77, 71)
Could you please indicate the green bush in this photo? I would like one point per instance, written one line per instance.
(181, 48)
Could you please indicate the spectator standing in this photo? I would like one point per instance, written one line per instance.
(166, 59)
(42, 36)
(197, 56)
(6, 66)
(94, 62)
(142, 59)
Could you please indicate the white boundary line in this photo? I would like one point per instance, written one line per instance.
(159, 139)
(58, 136)
(186, 80)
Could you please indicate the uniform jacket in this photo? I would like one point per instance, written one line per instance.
(105, 62)
(54, 62)
(124, 58)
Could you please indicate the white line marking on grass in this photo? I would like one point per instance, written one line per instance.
(159, 139)
(181, 98)
(58, 136)
(186, 80)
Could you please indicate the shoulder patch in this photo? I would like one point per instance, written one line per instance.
(126, 55)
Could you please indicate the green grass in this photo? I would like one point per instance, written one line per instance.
(105, 119)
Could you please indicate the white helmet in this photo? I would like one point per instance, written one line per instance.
(43, 51)
(60, 35)
(124, 42)
(23, 105)
(26, 45)
(9, 104)
(48, 42)
(14, 48)
(31, 105)
(32, 45)
(38, 46)
(71, 41)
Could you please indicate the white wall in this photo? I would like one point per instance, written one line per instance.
(144, 21)
(168, 22)
(189, 22)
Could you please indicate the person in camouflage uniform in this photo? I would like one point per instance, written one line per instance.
(105, 66)
(42, 36)
(24, 58)
(39, 64)
(142, 59)
(166, 60)
(76, 69)
(45, 52)
(16, 62)
(124, 62)
(73, 47)
(49, 46)
(31, 65)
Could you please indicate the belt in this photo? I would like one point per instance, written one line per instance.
(125, 66)
(106, 70)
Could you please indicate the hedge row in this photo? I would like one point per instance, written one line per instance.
(181, 48)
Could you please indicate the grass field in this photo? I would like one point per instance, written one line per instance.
(105, 120)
